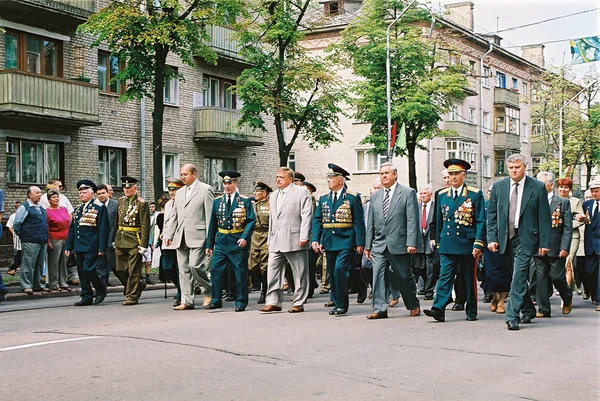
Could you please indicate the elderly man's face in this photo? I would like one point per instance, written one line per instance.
(335, 183)
(85, 195)
(425, 195)
(35, 195)
(129, 192)
(388, 176)
(596, 194)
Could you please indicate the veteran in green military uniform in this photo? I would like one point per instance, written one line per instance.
(259, 250)
(230, 229)
(131, 233)
(460, 239)
(338, 229)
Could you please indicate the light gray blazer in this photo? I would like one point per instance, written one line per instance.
(292, 223)
(191, 217)
(400, 228)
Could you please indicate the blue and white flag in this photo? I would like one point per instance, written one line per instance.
(585, 50)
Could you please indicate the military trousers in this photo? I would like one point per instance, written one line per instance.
(453, 268)
(239, 263)
(339, 264)
(87, 265)
(129, 266)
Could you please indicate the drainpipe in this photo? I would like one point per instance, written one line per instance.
(143, 147)
(481, 115)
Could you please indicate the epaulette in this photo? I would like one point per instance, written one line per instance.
(474, 189)
(219, 197)
(98, 203)
(243, 196)
(122, 197)
(445, 190)
(325, 194)
(140, 199)
(350, 192)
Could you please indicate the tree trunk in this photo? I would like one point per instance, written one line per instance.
(412, 165)
(284, 151)
(157, 120)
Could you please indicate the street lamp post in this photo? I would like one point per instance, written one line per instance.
(388, 79)
(560, 128)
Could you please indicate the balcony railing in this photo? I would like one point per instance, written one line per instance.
(87, 5)
(63, 12)
(506, 140)
(30, 95)
(219, 126)
(223, 42)
(464, 129)
(506, 97)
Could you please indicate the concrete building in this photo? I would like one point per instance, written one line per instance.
(492, 122)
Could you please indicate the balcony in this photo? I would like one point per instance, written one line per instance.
(66, 13)
(222, 41)
(25, 96)
(506, 97)
(506, 140)
(217, 126)
(464, 129)
(541, 149)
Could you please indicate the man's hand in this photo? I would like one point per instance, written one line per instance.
(360, 249)
(242, 243)
(303, 242)
(411, 249)
(579, 217)
(477, 253)
(432, 244)
(67, 253)
(368, 254)
(142, 250)
(493, 246)
(543, 251)
(563, 253)
(315, 246)
(209, 252)
(168, 242)
(100, 253)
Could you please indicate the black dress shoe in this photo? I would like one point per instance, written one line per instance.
(471, 318)
(526, 319)
(435, 313)
(337, 311)
(86, 302)
(262, 299)
(420, 292)
(361, 297)
(428, 297)
(216, 305)
(176, 303)
(99, 298)
(512, 325)
(488, 297)
(458, 307)
(240, 308)
(230, 298)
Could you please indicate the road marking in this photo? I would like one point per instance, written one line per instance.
(46, 343)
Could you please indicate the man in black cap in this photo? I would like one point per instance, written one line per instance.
(259, 250)
(230, 229)
(338, 229)
(460, 239)
(88, 238)
(131, 231)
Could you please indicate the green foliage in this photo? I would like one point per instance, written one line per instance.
(285, 80)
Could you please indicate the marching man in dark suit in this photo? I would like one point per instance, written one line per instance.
(392, 240)
(460, 237)
(131, 231)
(88, 238)
(550, 268)
(591, 242)
(230, 229)
(338, 229)
(519, 227)
(426, 261)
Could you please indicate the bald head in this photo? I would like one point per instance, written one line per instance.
(188, 174)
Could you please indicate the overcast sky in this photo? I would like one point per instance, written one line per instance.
(515, 13)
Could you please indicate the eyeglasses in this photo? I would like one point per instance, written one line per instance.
(61, 187)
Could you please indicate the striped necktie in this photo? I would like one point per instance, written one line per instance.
(386, 202)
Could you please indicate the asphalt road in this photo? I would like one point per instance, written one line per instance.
(53, 351)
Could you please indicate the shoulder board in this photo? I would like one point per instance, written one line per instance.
(243, 196)
(445, 190)
(325, 194)
(350, 192)
(140, 199)
(98, 203)
(474, 189)
(218, 197)
(123, 197)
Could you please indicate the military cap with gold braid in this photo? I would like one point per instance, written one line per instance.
(261, 186)
(299, 176)
(127, 181)
(337, 171)
(456, 165)
(174, 183)
(229, 175)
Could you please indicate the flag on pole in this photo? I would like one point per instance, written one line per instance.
(393, 136)
(585, 50)
(402, 137)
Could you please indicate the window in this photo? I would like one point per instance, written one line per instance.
(515, 84)
(292, 161)
(333, 8)
(111, 166)
(32, 162)
(472, 115)
(500, 124)
(212, 167)
(487, 166)
(462, 150)
(368, 162)
(486, 122)
(172, 88)
(472, 67)
(454, 58)
(108, 67)
(525, 88)
(500, 162)
(453, 115)
(500, 80)
(525, 133)
(170, 166)
(31, 53)
(487, 73)
(513, 116)
(217, 92)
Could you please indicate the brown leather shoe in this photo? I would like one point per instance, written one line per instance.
(394, 302)
(130, 302)
(329, 304)
(271, 308)
(207, 299)
(415, 312)
(566, 309)
(296, 309)
(377, 315)
(184, 307)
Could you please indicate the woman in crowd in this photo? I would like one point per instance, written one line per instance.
(58, 229)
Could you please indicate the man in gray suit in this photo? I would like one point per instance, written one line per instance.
(518, 228)
(289, 240)
(186, 230)
(107, 261)
(550, 268)
(393, 237)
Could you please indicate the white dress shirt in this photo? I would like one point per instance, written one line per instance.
(519, 198)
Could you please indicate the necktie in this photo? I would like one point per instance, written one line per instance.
(228, 203)
(386, 202)
(596, 210)
(187, 193)
(279, 200)
(512, 211)
(455, 194)
(424, 217)
(334, 198)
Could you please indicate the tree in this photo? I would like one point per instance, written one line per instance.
(424, 80)
(143, 33)
(285, 81)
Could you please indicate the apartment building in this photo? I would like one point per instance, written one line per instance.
(492, 122)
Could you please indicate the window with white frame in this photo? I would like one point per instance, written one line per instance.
(32, 162)
(172, 89)
(487, 166)
(217, 92)
(500, 80)
(453, 114)
(368, 162)
(515, 84)
(292, 161)
(462, 150)
(111, 166)
(212, 167)
(486, 122)
(525, 132)
(525, 88)
(170, 166)
(487, 73)
(512, 117)
(472, 114)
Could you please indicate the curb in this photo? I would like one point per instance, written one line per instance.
(19, 296)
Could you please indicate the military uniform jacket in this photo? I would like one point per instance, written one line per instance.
(340, 226)
(132, 223)
(89, 229)
(238, 222)
(460, 223)
(562, 226)
(260, 235)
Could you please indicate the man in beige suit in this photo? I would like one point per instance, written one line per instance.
(186, 230)
(289, 240)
